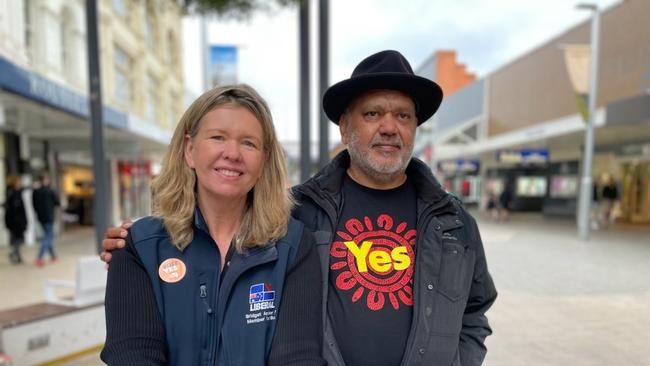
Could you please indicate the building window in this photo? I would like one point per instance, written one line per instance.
(122, 87)
(64, 51)
(151, 98)
(150, 24)
(119, 7)
(67, 60)
(172, 51)
(28, 27)
(172, 110)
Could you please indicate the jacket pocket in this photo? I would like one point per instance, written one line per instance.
(442, 350)
(455, 271)
(205, 317)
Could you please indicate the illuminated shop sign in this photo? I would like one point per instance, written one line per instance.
(459, 166)
(523, 156)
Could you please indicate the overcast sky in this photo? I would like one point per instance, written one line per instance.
(486, 34)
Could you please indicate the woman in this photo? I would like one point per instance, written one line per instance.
(15, 218)
(220, 274)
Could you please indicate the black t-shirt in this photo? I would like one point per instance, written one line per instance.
(371, 273)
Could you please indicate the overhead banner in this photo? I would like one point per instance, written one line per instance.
(223, 65)
(577, 58)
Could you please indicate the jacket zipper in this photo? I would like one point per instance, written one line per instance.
(203, 293)
(427, 216)
(224, 292)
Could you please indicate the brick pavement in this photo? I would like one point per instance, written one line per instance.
(567, 302)
(561, 301)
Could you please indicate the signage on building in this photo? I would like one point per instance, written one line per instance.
(523, 156)
(459, 166)
(42, 90)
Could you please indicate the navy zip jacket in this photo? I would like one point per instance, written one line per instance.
(263, 308)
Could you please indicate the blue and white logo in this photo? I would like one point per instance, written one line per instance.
(261, 297)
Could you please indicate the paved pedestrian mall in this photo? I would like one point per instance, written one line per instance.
(561, 301)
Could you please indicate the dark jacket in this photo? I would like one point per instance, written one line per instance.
(15, 217)
(45, 200)
(212, 317)
(452, 288)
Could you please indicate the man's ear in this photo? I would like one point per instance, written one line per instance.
(343, 128)
(188, 147)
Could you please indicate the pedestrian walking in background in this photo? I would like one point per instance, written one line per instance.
(609, 197)
(505, 202)
(493, 205)
(45, 200)
(15, 218)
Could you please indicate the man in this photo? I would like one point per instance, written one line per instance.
(45, 201)
(15, 217)
(405, 276)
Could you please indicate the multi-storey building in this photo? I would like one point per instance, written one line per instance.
(521, 124)
(44, 110)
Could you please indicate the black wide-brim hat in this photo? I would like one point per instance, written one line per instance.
(384, 70)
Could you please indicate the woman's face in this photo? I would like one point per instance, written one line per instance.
(227, 153)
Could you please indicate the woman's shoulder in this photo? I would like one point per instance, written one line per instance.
(146, 228)
(295, 229)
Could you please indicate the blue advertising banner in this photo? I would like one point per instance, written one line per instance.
(223, 65)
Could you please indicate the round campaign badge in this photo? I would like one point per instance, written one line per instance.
(172, 270)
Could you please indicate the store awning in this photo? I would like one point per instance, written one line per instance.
(635, 110)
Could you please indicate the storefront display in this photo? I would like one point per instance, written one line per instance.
(563, 186)
(531, 186)
(135, 188)
(635, 199)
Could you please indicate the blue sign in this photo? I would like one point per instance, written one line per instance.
(223, 65)
(42, 90)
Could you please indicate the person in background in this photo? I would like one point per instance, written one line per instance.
(505, 202)
(15, 217)
(221, 274)
(493, 205)
(45, 201)
(609, 197)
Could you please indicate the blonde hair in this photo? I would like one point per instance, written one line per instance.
(269, 203)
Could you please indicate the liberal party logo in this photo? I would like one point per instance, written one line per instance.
(261, 297)
(374, 260)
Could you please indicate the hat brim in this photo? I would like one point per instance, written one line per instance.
(426, 94)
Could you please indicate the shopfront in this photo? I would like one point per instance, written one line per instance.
(525, 172)
(134, 188)
(635, 195)
(461, 177)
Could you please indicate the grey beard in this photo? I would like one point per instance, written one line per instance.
(372, 168)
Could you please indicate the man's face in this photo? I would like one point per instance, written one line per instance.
(379, 128)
